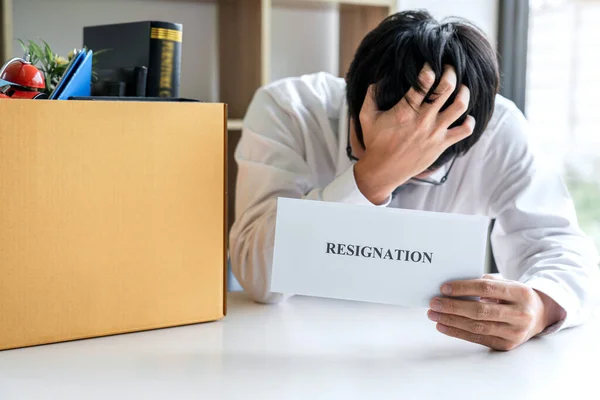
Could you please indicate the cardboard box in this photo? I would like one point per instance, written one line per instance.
(112, 218)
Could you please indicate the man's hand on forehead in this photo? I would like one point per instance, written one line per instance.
(402, 142)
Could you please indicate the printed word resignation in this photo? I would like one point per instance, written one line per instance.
(379, 252)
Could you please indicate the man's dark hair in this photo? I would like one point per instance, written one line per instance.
(393, 54)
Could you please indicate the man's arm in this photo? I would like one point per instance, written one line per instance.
(536, 238)
(551, 271)
(272, 163)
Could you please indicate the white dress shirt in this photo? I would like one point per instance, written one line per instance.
(294, 145)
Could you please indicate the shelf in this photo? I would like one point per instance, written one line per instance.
(234, 124)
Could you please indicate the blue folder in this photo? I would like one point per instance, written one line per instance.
(77, 79)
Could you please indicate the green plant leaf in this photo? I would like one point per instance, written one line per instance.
(42, 56)
(48, 51)
(36, 50)
(23, 46)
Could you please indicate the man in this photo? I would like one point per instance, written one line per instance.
(418, 124)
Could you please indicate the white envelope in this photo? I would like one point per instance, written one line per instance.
(373, 254)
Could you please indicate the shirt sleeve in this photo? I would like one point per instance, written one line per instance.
(536, 238)
(272, 163)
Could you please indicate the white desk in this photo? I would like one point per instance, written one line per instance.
(304, 349)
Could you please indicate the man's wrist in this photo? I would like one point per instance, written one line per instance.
(370, 184)
(553, 312)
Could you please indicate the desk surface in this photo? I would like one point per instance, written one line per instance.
(305, 348)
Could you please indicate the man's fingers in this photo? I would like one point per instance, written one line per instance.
(494, 277)
(493, 342)
(475, 310)
(488, 300)
(461, 132)
(443, 90)
(489, 328)
(369, 108)
(487, 288)
(414, 97)
(459, 106)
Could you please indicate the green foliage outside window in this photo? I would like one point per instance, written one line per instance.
(586, 196)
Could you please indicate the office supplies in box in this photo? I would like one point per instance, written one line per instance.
(77, 79)
(133, 46)
(19, 79)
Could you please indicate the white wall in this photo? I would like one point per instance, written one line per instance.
(483, 13)
(305, 39)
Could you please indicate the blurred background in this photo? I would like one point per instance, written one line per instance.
(549, 53)
(562, 103)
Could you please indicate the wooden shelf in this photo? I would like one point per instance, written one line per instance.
(355, 22)
(244, 51)
(245, 42)
(234, 124)
(244, 28)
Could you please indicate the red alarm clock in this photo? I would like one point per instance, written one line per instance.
(24, 80)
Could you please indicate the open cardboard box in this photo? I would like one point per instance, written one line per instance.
(112, 218)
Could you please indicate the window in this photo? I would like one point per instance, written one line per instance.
(563, 90)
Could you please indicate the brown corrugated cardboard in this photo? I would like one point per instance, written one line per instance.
(112, 218)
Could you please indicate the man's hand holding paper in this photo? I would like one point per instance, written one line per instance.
(507, 315)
